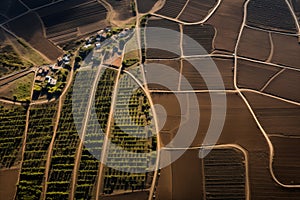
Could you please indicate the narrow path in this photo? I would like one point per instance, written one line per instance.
(83, 131)
(270, 30)
(181, 56)
(50, 148)
(271, 153)
(24, 140)
(107, 134)
(271, 79)
(182, 10)
(55, 128)
(294, 16)
(212, 11)
(269, 59)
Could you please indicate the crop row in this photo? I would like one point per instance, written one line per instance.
(224, 174)
(129, 150)
(13, 120)
(39, 135)
(67, 138)
(94, 136)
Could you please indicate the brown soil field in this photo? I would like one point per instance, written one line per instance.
(203, 35)
(265, 14)
(179, 182)
(34, 35)
(286, 85)
(227, 20)
(20, 88)
(83, 16)
(145, 6)
(35, 4)
(192, 67)
(286, 50)
(196, 10)
(153, 75)
(225, 174)
(8, 182)
(286, 163)
(128, 196)
(240, 129)
(166, 46)
(254, 44)
(122, 9)
(172, 8)
(254, 75)
(11, 8)
(276, 117)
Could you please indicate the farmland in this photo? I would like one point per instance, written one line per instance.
(203, 35)
(248, 71)
(94, 136)
(270, 18)
(81, 14)
(11, 9)
(145, 6)
(195, 70)
(34, 36)
(18, 90)
(162, 45)
(13, 119)
(196, 10)
(227, 20)
(67, 138)
(154, 76)
(224, 174)
(123, 10)
(172, 8)
(286, 160)
(255, 44)
(39, 135)
(133, 132)
(286, 54)
(286, 85)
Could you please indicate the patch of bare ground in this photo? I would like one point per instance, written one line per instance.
(172, 8)
(227, 20)
(176, 181)
(34, 35)
(202, 34)
(162, 45)
(122, 9)
(254, 44)
(286, 50)
(8, 182)
(254, 75)
(286, 163)
(196, 10)
(276, 117)
(286, 85)
(158, 70)
(194, 71)
(141, 195)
